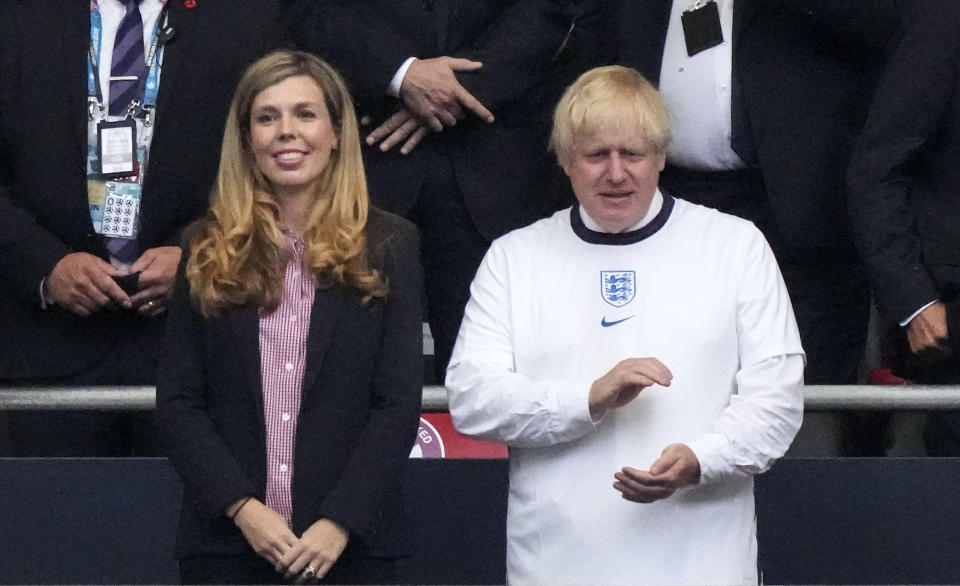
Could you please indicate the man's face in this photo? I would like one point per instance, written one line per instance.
(614, 175)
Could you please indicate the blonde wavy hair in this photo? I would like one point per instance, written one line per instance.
(238, 249)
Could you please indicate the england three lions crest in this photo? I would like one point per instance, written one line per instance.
(618, 287)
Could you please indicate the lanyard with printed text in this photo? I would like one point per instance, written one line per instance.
(95, 107)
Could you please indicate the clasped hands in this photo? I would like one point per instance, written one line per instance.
(432, 98)
(677, 466)
(84, 284)
(268, 534)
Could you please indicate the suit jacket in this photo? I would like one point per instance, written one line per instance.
(43, 196)
(905, 172)
(802, 72)
(530, 50)
(358, 413)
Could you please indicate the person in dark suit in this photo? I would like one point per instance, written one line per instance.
(290, 390)
(84, 329)
(459, 135)
(767, 98)
(904, 180)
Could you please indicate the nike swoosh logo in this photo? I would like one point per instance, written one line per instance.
(607, 324)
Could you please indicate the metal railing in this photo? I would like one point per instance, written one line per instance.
(816, 398)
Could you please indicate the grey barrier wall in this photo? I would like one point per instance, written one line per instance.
(820, 521)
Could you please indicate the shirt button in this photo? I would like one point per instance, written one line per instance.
(283, 467)
(293, 318)
(288, 366)
(724, 87)
(285, 417)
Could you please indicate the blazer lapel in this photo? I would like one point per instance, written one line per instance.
(176, 53)
(245, 325)
(643, 32)
(743, 13)
(326, 311)
(741, 139)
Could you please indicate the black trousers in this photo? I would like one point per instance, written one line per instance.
(250, 568)
(452, 249)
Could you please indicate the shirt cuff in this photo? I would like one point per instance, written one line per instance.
(397, 81)
(712, 451)
(909, 319)
(573, 409)
(45, 303)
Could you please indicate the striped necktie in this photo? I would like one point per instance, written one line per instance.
(128, 63)
(124, 250)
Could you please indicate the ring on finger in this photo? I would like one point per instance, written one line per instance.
(309, 572)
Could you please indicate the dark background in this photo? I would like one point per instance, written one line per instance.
(821, 521)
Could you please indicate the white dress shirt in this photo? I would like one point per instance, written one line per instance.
(697, 92)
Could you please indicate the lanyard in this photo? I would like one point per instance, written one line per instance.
(153, 61)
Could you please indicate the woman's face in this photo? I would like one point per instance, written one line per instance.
(291, 135)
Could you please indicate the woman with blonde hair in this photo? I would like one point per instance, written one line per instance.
(289, 395)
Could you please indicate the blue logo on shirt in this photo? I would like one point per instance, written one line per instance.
(607, 324)
(618, 287)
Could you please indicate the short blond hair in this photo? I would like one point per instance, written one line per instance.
(610, 97)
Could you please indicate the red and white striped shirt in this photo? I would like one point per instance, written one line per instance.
(283, 353)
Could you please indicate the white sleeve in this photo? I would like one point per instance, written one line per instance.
(488, 398)
(393, 89)
(766, 409)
